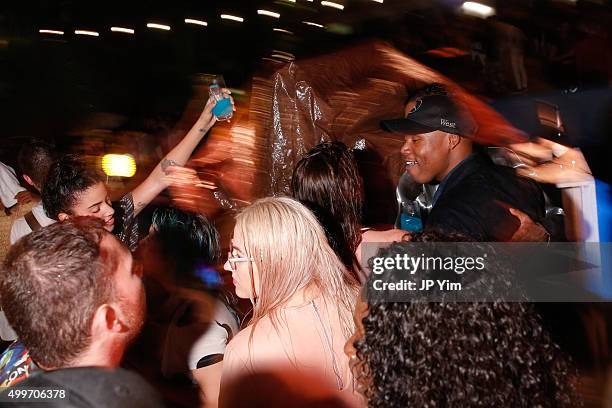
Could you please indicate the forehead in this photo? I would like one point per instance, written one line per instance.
(93, 194)
(237, 240)
(113, 252)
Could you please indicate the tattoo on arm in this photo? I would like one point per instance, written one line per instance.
(139, 206)
(165, 163)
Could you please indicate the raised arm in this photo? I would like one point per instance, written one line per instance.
(155, 183)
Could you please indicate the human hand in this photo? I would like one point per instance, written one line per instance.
(24, 197)
(528, 230)
(207, 118)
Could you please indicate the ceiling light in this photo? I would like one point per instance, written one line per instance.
(280, 30)
(310, 23)
(196, 22)
(268, 13)
(85, 32)
(477, 9)
(122, 30)
(332, 4)
(159, 26)
(233, 18)
(51, 32)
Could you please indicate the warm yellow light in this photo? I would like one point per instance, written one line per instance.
(281, 30)
(121, 165)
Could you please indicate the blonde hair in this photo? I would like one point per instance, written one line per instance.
(291, 252)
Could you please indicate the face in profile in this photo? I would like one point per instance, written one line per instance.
(94, 202)
(129, 290)
(357, 365)
(245, 274)
(426, 154)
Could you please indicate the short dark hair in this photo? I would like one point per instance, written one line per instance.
(467, 354)
(51, 284)
(435, 88)
(35, 158)
(327, 177)
(67, 178)
(186, 238)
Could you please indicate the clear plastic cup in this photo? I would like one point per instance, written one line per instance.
(223, 109)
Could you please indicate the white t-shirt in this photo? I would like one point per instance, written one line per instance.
(201, 327)
(9, 186)
(21, 228)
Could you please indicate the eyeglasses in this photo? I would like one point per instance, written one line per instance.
(234, 260)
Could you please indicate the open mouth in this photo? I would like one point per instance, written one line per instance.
(410, 163)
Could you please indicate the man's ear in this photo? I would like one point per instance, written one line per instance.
(62, 216)
(105, 321)
(453, 140)
(28, 180)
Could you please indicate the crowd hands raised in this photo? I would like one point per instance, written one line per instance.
(83, 289)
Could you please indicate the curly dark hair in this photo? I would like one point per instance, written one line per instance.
(459, 354)
(327, 181)
(67, 178)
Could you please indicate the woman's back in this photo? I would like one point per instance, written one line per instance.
(305, 338)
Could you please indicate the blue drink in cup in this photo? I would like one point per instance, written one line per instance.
(223, 109)
(409, 217)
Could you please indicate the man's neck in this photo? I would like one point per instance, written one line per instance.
(454, 161)
(104, 355)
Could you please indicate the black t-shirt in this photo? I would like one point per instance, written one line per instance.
(475, 198)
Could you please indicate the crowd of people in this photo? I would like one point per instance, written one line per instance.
(81, 288)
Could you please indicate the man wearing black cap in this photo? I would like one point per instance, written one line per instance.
(474, 196)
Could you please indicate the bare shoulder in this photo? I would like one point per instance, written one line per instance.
(383, 236)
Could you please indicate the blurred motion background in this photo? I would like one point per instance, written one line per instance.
(300, 72)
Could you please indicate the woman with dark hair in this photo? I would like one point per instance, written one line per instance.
(327, 181)
(465, 352)
(190, 319)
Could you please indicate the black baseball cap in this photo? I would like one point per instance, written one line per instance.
(434, 112)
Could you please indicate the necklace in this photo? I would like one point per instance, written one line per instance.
(329, 346)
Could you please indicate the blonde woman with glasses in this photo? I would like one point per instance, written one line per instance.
(302, 297)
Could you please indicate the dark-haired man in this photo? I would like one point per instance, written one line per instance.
(474, 195)
(35, 158)
(73, 296)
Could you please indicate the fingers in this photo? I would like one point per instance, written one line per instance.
(227, 94)
(523, 218)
